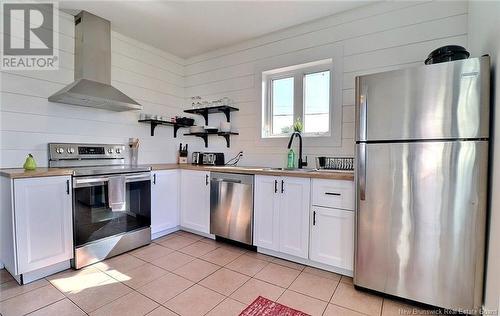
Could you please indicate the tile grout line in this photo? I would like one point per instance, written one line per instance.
(220, 267)
(160, 306)
(331, 297)
(36, 309)
(382, 306)
(350, 309)
(289, 285)
(14, 280)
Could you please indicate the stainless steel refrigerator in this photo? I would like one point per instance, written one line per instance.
(421, 180)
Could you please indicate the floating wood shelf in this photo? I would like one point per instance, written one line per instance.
(226, 109)
(204, 136)
(155, 123)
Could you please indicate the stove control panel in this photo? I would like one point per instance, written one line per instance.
(63, 151)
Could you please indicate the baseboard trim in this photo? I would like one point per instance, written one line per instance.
(306, 262)
(29, 277)
(164, 232)
(189, 230)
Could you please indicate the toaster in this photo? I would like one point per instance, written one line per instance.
(209, 159)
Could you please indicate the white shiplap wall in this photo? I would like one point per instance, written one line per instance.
(379, 37)
(28, 121)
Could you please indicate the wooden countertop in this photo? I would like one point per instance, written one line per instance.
(333, 175)
(17, 173)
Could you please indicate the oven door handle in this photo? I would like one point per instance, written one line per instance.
(93, 181)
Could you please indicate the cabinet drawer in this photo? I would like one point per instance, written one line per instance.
(333, 193)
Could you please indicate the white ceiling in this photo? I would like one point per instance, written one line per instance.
(189, 28)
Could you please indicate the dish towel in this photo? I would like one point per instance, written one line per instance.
(116, 193)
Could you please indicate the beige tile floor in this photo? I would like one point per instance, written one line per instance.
(185, 274)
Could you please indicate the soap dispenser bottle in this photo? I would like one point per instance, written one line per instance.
(291, 159)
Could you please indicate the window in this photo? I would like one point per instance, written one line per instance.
(282, 105)
(301, 92)
(317, 102)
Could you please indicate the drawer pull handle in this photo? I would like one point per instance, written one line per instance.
(275, 186)
(314, 218)
(332, 193)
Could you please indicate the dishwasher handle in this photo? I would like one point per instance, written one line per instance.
(226, 180)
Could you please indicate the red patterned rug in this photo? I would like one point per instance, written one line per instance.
(264, 307)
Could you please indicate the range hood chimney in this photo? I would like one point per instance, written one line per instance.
(92, 85)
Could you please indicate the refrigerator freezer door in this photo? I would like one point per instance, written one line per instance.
(420, 225)
(441, 101)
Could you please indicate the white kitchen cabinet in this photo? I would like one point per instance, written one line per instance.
(294, 216)
(333, 193)
(195, 200)
(266, 212)
(281, 214)
(43, 222)
(332, 237)
(164, 201)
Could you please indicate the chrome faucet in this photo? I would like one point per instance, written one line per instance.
(301, 163)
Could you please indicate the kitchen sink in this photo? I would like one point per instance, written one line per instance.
(289, 169)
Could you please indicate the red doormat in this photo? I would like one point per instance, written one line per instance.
(264, 307)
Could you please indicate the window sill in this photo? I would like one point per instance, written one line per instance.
(310, 135)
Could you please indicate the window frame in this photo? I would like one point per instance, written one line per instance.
(298, 72)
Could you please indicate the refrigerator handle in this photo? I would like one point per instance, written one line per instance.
(362, 171)
(361, 103)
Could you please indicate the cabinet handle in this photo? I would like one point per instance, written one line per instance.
(282, 186)
(332, 193)
(206, 179)
(275, 186)
(67, 187)
(314, 218)
(154, 178)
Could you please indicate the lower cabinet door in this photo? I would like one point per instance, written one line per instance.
(332, 237)
(294, 216)
(266, 212)
(195, 200)
(44, 222)
(164, 200)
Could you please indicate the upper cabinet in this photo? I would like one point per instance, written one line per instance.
(195, 200)
(164, 201)
(281, 214)
(43, 222)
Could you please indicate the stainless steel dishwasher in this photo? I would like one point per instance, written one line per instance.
(231, 206)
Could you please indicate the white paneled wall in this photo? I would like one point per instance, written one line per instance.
(382, 36)
(379, 37)
(28, 121)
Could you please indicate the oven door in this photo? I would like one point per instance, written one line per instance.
(94, 219)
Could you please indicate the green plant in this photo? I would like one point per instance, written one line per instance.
(298, 126)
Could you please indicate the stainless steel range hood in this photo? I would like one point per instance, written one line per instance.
(92, 85)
